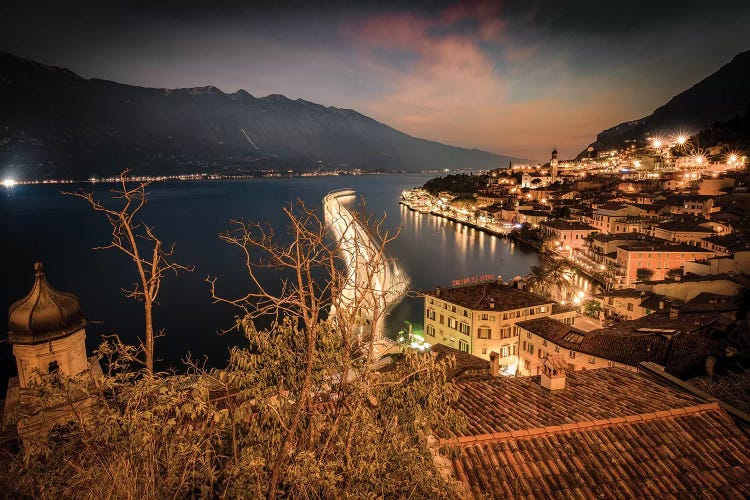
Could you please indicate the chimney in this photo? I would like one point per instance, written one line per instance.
(661, 305)
(553, 374)
(494, 364)
(437, 292)
(492, 302)
(674, 311)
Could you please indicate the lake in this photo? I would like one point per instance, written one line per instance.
(39, 223)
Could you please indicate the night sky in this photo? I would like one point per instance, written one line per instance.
(510, 77)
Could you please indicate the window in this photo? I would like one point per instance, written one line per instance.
(432, 302)
(504, 351)
(442, 319)
(630, 306)
(523, 345)
(430, 314)
(592, 359)
(453, 308)
(528, 335)
(505, 315)
(531, 348)
(515, 331)
(53, 367)
(540, 353)
(571, 354)
(445, 305)
(464, 328)
(505, 332)
(483, 333)
(484, 317)
(463, 346)
(430, 330)
(453, 323)
(557, 348)
(543, 309)
(518, 314)
(531, 311)
(466, 313)
(544, 343)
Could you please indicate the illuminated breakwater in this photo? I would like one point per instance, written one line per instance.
(373, 282)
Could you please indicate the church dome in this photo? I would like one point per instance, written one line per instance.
(44, 313)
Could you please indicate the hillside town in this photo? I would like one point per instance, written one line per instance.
(660, 230)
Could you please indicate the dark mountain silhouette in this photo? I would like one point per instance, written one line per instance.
(53, 123)
(721, 96)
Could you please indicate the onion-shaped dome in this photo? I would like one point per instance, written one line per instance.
(44, 314)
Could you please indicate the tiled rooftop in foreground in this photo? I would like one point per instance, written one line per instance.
(609, 433)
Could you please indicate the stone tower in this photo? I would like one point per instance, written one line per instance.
(553, 165)
(47, 331)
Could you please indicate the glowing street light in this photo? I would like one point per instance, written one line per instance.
(681, 140)
(657, 143)
(9, 183)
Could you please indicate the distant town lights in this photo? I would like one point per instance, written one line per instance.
(9, 183)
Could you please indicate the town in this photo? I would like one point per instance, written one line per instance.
(659, 229)
(451, 250)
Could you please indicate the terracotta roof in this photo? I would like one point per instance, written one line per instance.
(466, 364)
(733, 242)
(504, 404)
(684, 227)
(479, 297)
(629, 347)
(653, 338)
(698, 454)
(664, 247)
(568, 225)
(609, 434)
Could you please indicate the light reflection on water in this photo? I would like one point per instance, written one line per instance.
(38, 223)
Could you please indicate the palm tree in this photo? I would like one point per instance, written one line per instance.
(548, 277)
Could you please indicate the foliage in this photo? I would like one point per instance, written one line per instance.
(644, 274)
(218, 432)
(673, 273)
(548, 277)
(735, 133)
(298, 413)
(732, 387)
(137, 240)
(456, 184)
(592, 308)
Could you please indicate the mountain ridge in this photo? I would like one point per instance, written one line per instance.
(720, 96)
(55, 123)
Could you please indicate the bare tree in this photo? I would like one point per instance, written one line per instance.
(316, 270)
(137, 240)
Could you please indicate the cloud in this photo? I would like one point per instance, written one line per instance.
(454, 90)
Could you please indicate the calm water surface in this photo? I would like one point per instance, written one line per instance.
(38, 223)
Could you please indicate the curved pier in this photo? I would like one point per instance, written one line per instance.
(373, 282)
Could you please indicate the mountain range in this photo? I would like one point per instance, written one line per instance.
(54, 123)
(723, 95)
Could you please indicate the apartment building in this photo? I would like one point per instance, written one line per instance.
(481, 318)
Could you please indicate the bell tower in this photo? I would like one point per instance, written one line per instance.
(553, 165)
(47, 331)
